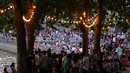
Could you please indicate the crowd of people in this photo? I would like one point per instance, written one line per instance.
(59, 40)
(53, 57)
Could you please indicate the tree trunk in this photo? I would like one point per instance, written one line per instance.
(85, 29)
(98, 26)
(21, 40)
(30, 33)
(30, 28)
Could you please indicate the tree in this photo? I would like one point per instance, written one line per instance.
(98, 25)
(85, 30)
(30, 32)
(30, 27)
(21, 40)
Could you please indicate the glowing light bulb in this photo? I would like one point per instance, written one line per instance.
(62, 21)
(103, 28)
(74, 22)
(81, 18)
(77, 22)
(88, 19)
(2, 11)
(89, 25)
(34, 7)
(52, 18)
(84, 14)
(11, 6)
(67, 21)
(49, 17)
(108, 27)
(8, 8)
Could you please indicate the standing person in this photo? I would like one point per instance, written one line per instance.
(42, 63)
(108, 67)
(85, 63)
(64, 54)
(49, 62)
(9, 70)
(117, 66)
(59, 63)
(13, 68)
(115, 56)
(75, 64)
(94, 58)
(36, 60)
(5, 70)
(67, 64)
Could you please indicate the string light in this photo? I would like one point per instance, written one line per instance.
(34, 7)
(52, 18)
(108, 27)
(84, 14)
(127, 20)
(8, 8)
(81, 18)
(77, 22)
(49, 17)
(2, 11)
(28, 20)
(103, 28)
(88, 19)
(89, 25)
(62, 21)
(11, 6)
(67, 21)
(74, 22)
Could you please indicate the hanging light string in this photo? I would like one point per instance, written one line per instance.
(4, 10)
(64, 21)
(84, 23)
(54, 19)
(24, 18)
(76, 21)
(28, 20)
(89, 25)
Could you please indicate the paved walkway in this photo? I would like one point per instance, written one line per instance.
(8, 47)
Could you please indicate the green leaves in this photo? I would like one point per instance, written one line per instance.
(4, 3)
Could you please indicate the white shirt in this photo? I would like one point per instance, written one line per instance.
(114, 39)
(9, 70)
(73, 49)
